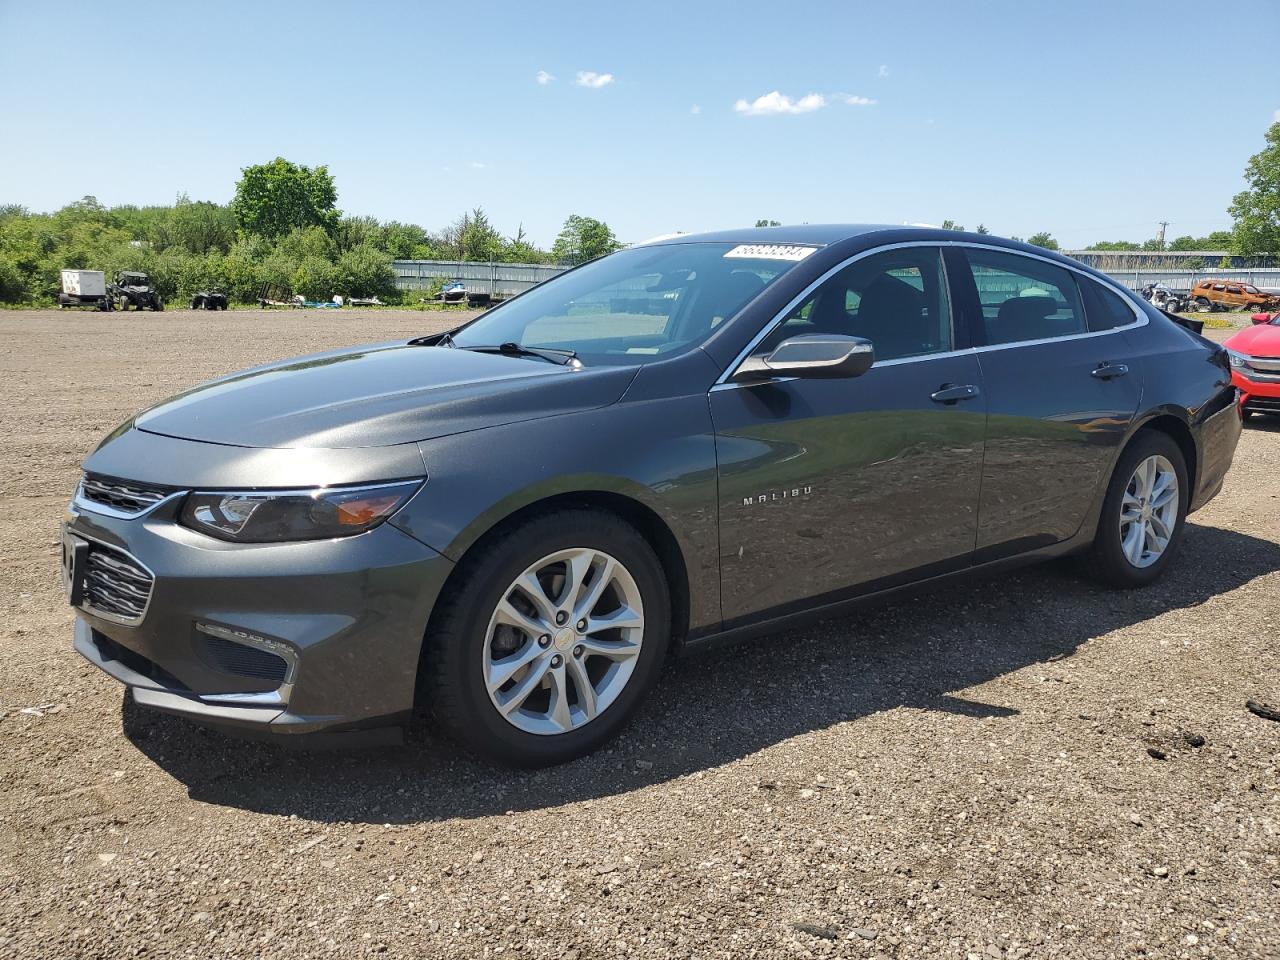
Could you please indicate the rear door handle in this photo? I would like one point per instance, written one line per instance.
(949, 393)
(1109, 371)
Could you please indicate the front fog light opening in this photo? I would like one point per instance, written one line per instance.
(251, 655)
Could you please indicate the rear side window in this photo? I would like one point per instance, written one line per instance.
(1103, 309)
(1024, 299)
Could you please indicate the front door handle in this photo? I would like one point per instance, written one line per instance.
(1107, 370)
(950, 393)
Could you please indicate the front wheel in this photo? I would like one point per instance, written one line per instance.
(1142, 516)
(552, 638)
(1203, 305)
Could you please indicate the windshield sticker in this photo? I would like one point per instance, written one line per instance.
(769, 251)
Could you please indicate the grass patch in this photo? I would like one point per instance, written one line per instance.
(1211, 322)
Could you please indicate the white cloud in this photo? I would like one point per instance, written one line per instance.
(695, 109)
(543, 78)
(883, 71)
(477, 165)
(589, 78)
(775, 102)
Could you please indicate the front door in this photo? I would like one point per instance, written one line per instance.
(833, 487)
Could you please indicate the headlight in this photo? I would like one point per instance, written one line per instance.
(1238, 360)
(272, 516)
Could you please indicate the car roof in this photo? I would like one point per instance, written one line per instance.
(825, 234)
(817, 234)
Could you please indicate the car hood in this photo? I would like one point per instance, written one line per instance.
(1262, 340)
(379, 395)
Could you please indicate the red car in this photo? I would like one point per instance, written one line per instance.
(1255, 365)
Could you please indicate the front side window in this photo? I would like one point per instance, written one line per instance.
(1023, 298)
(896, 299)
(638, 304)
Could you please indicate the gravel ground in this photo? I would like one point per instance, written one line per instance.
(968, 775)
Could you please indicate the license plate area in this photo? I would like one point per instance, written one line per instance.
(74, 553)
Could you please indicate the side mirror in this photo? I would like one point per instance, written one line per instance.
(813, 356)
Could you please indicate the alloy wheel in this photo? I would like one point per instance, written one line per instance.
(1149, 511)
(563, 641)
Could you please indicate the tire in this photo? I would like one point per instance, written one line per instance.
(462, 641)
(1203, 305)
(1107, 560)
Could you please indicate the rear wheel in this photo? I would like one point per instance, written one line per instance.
(555, 634)
(1142, 516)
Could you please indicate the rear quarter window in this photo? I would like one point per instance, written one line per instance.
(1104, 309)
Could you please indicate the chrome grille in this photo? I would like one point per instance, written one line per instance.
(122, 495)
(115, 585)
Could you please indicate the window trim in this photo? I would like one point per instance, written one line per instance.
(1140, 317)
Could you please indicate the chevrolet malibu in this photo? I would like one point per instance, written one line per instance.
(513, 524)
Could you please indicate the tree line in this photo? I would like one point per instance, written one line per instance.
(282, 233)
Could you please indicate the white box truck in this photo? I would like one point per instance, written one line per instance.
(85, 288)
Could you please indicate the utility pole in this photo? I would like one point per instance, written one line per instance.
(1160, 235)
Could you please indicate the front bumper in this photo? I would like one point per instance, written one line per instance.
(347, 616)
(1260, 396)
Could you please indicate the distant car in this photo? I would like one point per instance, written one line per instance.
(1255, 365)
(209, 300)
(1230, 295)
(455, 291)
(511, 524)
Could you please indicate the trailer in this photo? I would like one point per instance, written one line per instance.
(85, 288)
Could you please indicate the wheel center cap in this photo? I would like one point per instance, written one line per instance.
(564, 638)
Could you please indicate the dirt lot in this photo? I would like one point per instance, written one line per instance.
(963, 776)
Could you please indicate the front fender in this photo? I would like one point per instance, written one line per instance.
(657, 453)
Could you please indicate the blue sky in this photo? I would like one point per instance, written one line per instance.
(1025, 115)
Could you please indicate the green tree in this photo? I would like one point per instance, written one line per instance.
(364, 271)
(982, 229)
(1043, 239)
(1256, 209)
(768, 223)
(1153, 245)
(951, 225)
(277, 197)
(1120, 245)
(478, 240)
(1184, 243)
(582, 239)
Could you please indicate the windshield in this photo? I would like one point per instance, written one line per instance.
(638, 304)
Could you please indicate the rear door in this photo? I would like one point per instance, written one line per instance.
(1062, 387)
(830, 487)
